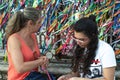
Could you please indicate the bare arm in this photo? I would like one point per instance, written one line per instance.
(108, 73)
(17, 58)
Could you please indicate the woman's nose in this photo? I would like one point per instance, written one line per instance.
(79, 43)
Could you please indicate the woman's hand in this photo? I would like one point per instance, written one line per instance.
(77, 78)
(43, 61)
(65, 77)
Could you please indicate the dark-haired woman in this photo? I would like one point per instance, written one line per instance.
(23, 52)
(93, 59)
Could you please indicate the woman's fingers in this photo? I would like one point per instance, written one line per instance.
(64, 77)
(43, 60)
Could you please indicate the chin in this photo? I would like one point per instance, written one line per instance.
(82, 46)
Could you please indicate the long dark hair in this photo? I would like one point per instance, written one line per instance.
(19, 19)
(88, 26)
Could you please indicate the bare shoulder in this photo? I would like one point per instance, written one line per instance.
(13, 40)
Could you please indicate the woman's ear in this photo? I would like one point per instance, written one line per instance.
(30, 22)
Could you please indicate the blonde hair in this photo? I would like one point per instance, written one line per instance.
(20, 18)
